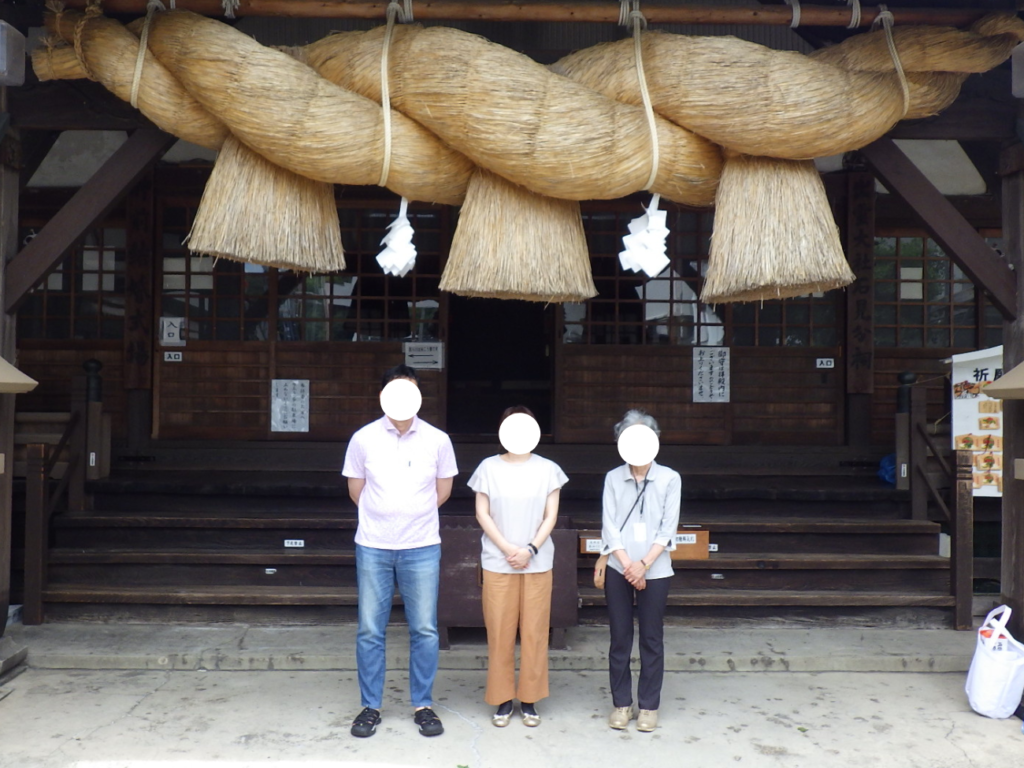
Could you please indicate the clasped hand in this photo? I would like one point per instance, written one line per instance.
(520, 558)
(636, 574)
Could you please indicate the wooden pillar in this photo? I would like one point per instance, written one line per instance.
(963, 542)
(9, 180)
(138, 314)
(37, 526)
(1012, 576)
(860, 302)
(918, 454)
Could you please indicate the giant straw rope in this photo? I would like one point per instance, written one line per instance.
(575, 131)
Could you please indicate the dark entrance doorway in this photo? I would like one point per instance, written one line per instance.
(499, 354)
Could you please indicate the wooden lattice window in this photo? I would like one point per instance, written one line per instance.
(923, 299)
(633, 309)
(229, 301)
(83, 298)
(802, 321)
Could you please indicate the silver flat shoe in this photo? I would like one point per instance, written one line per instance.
(531, 718)
(501, 718)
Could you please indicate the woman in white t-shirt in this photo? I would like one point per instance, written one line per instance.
(517, 505)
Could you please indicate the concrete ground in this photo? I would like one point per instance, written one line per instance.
(145, 696)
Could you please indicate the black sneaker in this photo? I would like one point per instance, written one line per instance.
(365, 723)
(429, 723)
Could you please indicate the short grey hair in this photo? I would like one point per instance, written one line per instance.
(636, 416)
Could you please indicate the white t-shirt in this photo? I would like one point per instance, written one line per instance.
(517, 494)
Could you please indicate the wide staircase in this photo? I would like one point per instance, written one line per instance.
(268, 544)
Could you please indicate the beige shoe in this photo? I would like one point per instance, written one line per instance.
(531, 718)
(620, 717)
(647, 720)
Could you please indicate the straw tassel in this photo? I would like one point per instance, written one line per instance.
(513, 244)
(255, 211)
(774, 233)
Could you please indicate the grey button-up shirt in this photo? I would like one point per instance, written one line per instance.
(655, 517)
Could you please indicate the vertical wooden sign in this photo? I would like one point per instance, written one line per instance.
(860, 296)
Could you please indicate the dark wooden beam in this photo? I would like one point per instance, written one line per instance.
(93, 201)
(559, 10)
(67, 105)
(1012, 575)
(138, 300)
(985, 110)
(983, 211)
(953, 232)
(858, 230)
(35, 146)
(8, 247)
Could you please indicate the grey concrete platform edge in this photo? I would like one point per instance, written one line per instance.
(239, 647)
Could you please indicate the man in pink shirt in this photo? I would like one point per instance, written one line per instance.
(399, 472)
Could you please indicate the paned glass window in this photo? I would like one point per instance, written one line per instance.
(223, 300)
(83, 298)
(634, 309)
(802, 321)
(631, 308)
(923, 299)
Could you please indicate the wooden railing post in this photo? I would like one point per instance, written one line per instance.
(918, 454)
(962, 550)
(78, 458)
(37, 526)
(906, 380)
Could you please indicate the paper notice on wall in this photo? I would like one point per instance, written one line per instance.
(711, 374)
(289, 405)
(978, 419)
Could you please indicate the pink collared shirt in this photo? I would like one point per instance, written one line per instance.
(398, 504)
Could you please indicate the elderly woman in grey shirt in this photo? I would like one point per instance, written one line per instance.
(640, 516)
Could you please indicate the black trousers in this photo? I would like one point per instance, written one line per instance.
(650, 609)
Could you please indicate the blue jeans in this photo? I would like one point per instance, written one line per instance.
(417, 572)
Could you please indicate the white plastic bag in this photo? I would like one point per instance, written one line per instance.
(995, 681)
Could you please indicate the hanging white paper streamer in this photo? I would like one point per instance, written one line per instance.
(646, 242)
(399, 254)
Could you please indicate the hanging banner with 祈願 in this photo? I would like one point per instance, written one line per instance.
(978, 418)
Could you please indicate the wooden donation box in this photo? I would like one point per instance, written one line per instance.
(691, 543)
(459, 601)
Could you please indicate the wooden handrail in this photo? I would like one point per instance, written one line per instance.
(936, 495)
(41, 500)
(935, 452)
(62, 485)
(63, 442)
(959, 514)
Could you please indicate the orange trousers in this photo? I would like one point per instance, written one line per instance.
(517, 601)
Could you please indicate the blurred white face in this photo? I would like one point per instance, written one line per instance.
(519, 433)
(400, 399)
(638, 445)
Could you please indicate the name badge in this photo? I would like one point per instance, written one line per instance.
(640, 532)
